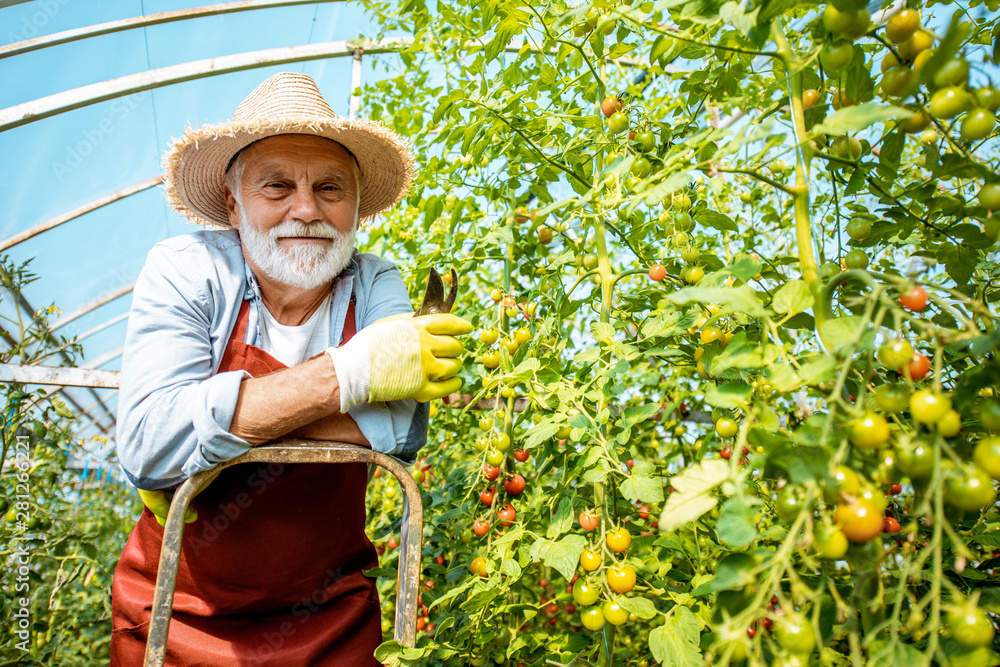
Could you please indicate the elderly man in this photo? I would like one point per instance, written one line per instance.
(274, 327)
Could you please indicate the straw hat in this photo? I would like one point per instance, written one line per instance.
(286, 103)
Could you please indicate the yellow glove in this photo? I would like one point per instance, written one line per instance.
(401, 357)
(158, 503)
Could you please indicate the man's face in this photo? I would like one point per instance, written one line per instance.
(297, 213)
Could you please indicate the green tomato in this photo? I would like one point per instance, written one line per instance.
(641, 167)
(987, 97)
(830, 543)
(955, 72)
(916, 461)
(585, 593)
(851, 25)
(614, 613)
(795, 634)
(949, 102)
(950, 424)
(892, 397)
(835, 56)
(618, 123)
(727, 428)
(592, 619)
(978, 124)
(969, 489)
(790, 503)
(928, 407)
(897, 81)
(969, 626)
(989, 196)
(989, 415)
(859, 229)
(693, 274)
(895, 353)
(829, 270)
(647, 140)
(494, 458)
(856, 259)
(987, 456)
(869, 432)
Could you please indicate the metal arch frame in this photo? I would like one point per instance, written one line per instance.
(66, 36)
(76, 98)
(93, 305)
(28, 309)
(79, 211)
(52, 105)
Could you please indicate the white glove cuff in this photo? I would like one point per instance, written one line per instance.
(350, 362)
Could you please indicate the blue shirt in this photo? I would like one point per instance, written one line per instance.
(175, 408)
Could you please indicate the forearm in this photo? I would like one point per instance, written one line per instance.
(274, 405)
(336, 427)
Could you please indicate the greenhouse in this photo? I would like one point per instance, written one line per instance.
(423, 333)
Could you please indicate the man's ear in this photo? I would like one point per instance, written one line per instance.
(232, 206)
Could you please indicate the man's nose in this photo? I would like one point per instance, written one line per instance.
(304, 206)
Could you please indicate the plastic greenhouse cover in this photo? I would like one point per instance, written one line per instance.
(56, 164)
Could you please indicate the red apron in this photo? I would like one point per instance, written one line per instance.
(270, 573)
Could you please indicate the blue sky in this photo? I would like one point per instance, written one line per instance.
(54, 165)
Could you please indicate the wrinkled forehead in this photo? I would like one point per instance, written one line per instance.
(284, 151)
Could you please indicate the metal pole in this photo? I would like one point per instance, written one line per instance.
(356, 84)
(52, 105)
(77, 212)
(93, 305)
(66, 36)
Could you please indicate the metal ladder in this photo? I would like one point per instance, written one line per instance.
(292, 451)
(279, 451)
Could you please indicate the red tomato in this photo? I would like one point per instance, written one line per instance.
(657, 272)
(507, 515)
(644, 512)
(491, 472)
(521, 455)
(918, 367)
(486, 497)
(480, 528)
(392, 543)
(514, 486)
(588, 521)
(890, 525)
(915, 299)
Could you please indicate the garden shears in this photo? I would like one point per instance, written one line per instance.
(434, 299)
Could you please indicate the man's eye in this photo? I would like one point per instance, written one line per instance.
(276, 185)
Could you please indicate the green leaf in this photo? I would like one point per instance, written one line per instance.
(563, 555)
(736, 526)
(728, 395)
(381, 572)
(675, 643)
(641, 607)
(692, 493)
(540, 432)
(642, 484)
(732, 573)
(720, 221)
(60, 407)
(858, 117)
(844, 331)
(732, 299)
(641, 413)
(793, 297)
(959, 260)
(562, 521)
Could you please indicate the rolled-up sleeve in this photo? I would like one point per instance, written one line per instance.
(173, 413)
(398, 428)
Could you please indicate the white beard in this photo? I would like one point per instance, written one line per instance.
(304, 266)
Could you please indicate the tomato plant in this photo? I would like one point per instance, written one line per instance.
(745, 256)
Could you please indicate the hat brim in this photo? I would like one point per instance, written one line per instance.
(196, 163)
